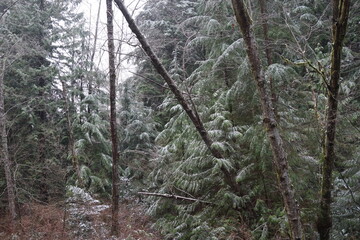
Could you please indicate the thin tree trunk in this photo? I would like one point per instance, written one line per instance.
(279, 154)
(71, 145)
(90, 83)
(10, 185)
(268, 52)
(229, 175)
(115, 155)
(265, 27)
(340, 18)
(95, 41)
(41, 113)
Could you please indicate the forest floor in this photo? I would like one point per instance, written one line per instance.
(82, 217)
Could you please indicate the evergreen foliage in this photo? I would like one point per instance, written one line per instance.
(51, 52)
(57, 115)
(137, 133)
(216, 77)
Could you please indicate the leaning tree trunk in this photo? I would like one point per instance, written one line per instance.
(340, 18)
(4, 154)
(115, 154)
(229, 175)
(279, 154)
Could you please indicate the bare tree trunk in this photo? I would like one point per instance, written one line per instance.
(279, 154)
(95, 41)
(90, 83)
(340, 18)
(10, 185)
(229, 175)
(115, 154)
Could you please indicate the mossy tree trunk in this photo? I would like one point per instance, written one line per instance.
(276, 142)
(339, 24)
(114, 140)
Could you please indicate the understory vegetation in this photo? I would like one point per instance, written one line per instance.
(56, 137)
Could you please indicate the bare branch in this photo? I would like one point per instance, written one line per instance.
(177, 197)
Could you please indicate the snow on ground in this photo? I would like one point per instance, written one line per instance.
(82, 208)
(79, 195)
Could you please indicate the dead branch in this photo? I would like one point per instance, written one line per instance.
(165, 195)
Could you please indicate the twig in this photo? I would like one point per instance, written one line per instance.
(347, 186)
(150, 80)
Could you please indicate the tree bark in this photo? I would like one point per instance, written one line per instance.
(115, 154)
(10, 184)
(229, 175)
(279, 154)
(340, 18)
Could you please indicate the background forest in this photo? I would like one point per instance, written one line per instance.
(207, 159)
